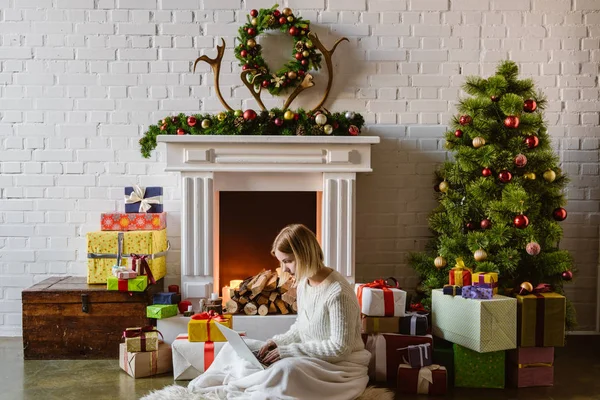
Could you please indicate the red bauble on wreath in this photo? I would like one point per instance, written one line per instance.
(505, 176)
(521, 221)
(512, 121)
(559, 214)
(465, 120)
(532, 141)
(530, 105)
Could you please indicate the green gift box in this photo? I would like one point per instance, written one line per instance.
(443, 354)
(138, 284)
(160, 311)
(478, 370)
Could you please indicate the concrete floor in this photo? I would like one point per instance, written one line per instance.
(577, 377)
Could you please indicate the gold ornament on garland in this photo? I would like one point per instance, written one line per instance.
(480, 255)
(440, 262)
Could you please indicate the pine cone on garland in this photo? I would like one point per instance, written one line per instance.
(300, 131)
(299, 46)
(317, 130)
(238, 122)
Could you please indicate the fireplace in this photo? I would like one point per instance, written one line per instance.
(239, 191)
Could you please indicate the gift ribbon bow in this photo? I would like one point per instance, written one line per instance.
(209, 316)
(425, 376)
(417, 307)
(137, 196)
(460, 264)
(144, 267)
(493, 284)
(388, 295)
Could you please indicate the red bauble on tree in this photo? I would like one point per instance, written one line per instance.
(486, 172)
(559, 214)
(465, 120)
(458, 133)
(512, 121)
(533, 248)
(520, 160)
(567, 275)
(521, 221)
(471, 225)
(532, 141)
(495, 99)
(249, 115)
(505, 176)
(530, 105)
(485, 223)
(191, 121)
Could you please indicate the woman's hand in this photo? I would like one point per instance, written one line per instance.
(271, 357)
(269, 353)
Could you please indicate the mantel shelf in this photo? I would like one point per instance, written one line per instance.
(254, 139)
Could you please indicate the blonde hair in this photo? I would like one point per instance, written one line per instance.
(300, 241)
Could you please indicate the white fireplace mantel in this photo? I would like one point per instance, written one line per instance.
(212, 163)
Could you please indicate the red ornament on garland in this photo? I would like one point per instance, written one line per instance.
(458, 133)
(485, 223)
(191, 121)
(244, 53)
(521, 221)
(294, 31)
(353, 130)
(180, 131)
(532, 141)
(567, 275)
(505, 176)
(299, 56)
(465, 120)
(254, 13)
(265, 83)
(530, 105)
(276, 13)
(304, 62)
(163, 127)
(520, 160)
(282, 20)
(251, 31)
(486, 172)
(559, 214)
(512, 121)
(249, 115)
(278, 121)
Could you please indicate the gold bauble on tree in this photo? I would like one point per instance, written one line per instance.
(444, 186)
(549, 176)
(440, 262)
(478, 142)
(480, 255)
(529, 175)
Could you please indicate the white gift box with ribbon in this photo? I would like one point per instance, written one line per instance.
(190, 359)
(373, 302)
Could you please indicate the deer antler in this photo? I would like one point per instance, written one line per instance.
(250, 85)
(307, 82)
(215, 64)
(327, 54)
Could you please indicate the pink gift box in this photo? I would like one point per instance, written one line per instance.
(126, 274)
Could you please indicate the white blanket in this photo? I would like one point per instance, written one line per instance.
(230, 377)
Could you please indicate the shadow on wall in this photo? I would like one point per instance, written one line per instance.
(394, 201)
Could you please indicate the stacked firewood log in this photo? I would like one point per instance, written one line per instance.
(266, 293)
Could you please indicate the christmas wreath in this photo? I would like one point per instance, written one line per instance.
(305, 56)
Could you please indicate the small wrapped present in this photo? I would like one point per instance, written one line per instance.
(418, 355)
(149, 363)
(166, 298)
(530, 366)
(201, 327)
(430, 380)
(385, 357)
(482, 325)
(117, 221)
(143, 200)
(190, 359)
(541, 319)
(160, 311)
(460, 275)
(478, 370)
(106, 247)
(137, 284)
(452, 290)
(141, 339)
(415, 324)
(477, 293)
(378, 299)
(380, 324)
(487, 280)
(121, 272)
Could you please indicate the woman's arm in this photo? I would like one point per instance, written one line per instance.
(289, 337)
(342, 310)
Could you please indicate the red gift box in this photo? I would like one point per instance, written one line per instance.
(133, 221)
(430, 380)
(531, 366)
(385, 357)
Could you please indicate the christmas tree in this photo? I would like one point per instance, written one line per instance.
(501, 198)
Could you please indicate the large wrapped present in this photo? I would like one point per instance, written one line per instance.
(541, 320)
(378, 299)
(104, 248)
(419, 355)
(530, 366)
(385, 356)
(166, 298)
(140, 365)
(143, 200)
(117, 221)
(190, 359)
(452, 290)
(488, 280)
(414, 324)
(480, 325)
(443, 354)
(477, 293)
(137, 284)
(201, 327)
(460, 275)
(430, 380)
(478, 370)
(380, 324)
(160, 311)
(141, 339)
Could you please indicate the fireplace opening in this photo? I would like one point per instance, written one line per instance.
(248, 222)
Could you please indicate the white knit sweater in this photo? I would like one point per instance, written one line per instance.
(328, 323)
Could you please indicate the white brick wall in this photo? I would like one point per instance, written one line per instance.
(80, 80)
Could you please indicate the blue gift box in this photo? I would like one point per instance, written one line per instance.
(139, 199)
(166, 298)
(476, 292)
(452, 290)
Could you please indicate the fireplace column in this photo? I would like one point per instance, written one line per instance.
(197, 235)
(338, 222)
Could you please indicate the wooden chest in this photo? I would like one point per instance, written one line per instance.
(65, 318)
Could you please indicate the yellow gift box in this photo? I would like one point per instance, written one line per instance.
(488, 280)
(201, 327)
(109, 248)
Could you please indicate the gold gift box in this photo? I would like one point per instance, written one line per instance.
(204, 330)
(541, 320)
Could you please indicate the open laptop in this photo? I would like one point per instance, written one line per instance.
(240, 346)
